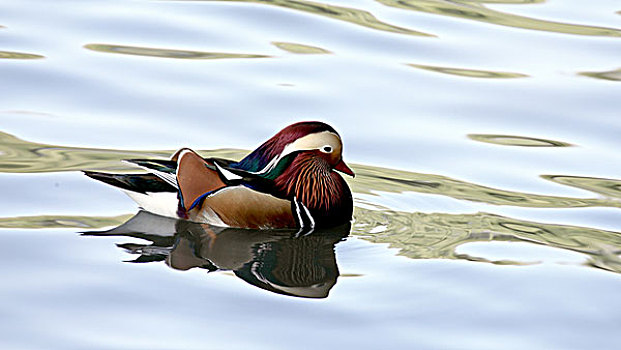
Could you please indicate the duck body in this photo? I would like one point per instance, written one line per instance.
(288, 182)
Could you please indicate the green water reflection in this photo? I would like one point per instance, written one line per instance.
(434, 236)
(470, 73)
(371, 180)
(465, 9)
(474, 10)
(416, 235)
(612, 75)
(19, 55)
(166, 53)
(62, 221)
(299, 48)
(513, 140)
(606, 187)
(19, 156)
(346, 14)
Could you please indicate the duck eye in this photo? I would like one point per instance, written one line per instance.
(326, 149)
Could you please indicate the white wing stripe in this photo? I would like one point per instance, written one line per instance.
(310, 217)
(168, 177)
(227, 174)
(297, 211)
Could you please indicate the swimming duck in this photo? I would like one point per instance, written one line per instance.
(288, 182)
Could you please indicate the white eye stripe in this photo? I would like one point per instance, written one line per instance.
(314, 141)
(309, 142)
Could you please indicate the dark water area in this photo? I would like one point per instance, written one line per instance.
(484, 136)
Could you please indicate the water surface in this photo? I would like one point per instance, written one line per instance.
(484, 136)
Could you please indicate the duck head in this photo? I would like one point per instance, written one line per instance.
(303, 138)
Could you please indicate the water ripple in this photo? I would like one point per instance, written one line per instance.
(473, 10)
(513, 140)
(612, 75)
(606, 187)
(62, 221)
(345, 14)
(371, 180)
(19, 156)
(470, 73)
(299, 48)
(167, 53)
(19, 55)
(437, 235)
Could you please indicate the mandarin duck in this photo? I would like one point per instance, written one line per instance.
(288, 182)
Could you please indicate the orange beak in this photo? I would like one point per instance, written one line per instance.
(342, 167)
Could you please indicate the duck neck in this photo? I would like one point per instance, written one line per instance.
(310, 180)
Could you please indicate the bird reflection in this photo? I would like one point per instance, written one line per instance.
(281, 261)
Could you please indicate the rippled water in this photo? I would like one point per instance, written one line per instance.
(484, 136)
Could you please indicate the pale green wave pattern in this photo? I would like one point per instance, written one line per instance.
(514, 140)
(371, 180)
(63, 221)
(469, 73)
(300, 48)
(166, 53)
(474, 10)
(606, 187)
(19, 156)
(437, 235)
(19, 55)
(465, 9)
(345, 14)
(611, 75)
